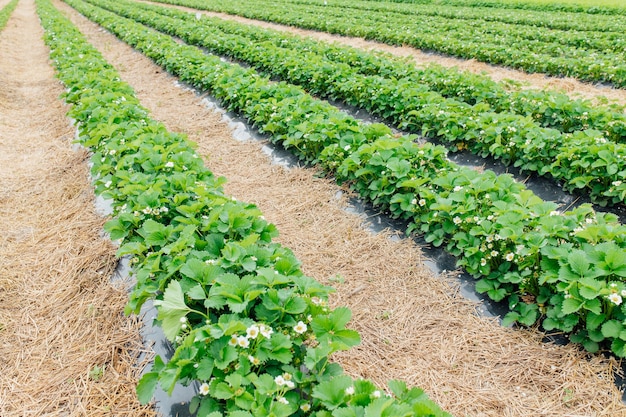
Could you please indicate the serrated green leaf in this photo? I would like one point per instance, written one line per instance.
(589, 288)
(205, 368)
(612, 329)
(196, 293)
(239, 413)
(171, 309)
(222, 391)
(146, 386)
(571, 305)
(618, 347)
(578, 263)
(510, 318)
(483, 285)
(332, 393)
(594, 320)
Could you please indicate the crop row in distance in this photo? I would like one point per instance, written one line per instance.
(582, 161)
(5, 13)
(549, 58)
(591, 7)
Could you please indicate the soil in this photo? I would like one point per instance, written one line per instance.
(414, 324)
(65, 347)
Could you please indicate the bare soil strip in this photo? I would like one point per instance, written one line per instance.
(65, 347)
(414, 325)
(571, 86)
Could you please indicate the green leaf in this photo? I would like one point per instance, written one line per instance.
(594, 306)
(398, 388)
(222, 391)
(154, 233)
(511, 318)
(615, 260)
(550, 324)
(594, 320)
(483, 285)
(168, 378)
(578, 263)
(171, 309)
(379, 407)
(196, 293)
(528, 314)
(205, 368)
(332, 393)
(589, 288)
(295, 305)
(612, 329)
(619, 347)
(205, 407)
(200, 271)
(146, 386)
(278, 347)
(571, 305)
(591, 346)
(239, 413)
(331, 329)
(223, 354)
(316, 355)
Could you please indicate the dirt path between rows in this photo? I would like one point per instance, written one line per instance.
(414, 325)
(571, 86)
(65, 348)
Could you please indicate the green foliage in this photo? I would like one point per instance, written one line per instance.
(5, 13)
(243, 319)
(404, 96)
(517, 244)
(558, 44)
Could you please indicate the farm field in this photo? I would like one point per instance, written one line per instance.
(556, 43)
(414, 325)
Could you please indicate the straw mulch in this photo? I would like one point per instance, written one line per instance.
(568, 85)
(414, 325)
(65, 347)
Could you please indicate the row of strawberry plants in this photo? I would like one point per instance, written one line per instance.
(243, 318)
(605, 46)
(583, 160)
(6, 11)
(565, 270)
(595, 37)
(522, 5)
(567, 22)
(432, 34)
(549, 109)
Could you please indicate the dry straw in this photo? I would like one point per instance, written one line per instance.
(65, 347)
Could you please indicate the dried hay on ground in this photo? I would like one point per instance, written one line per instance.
(65, 347)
